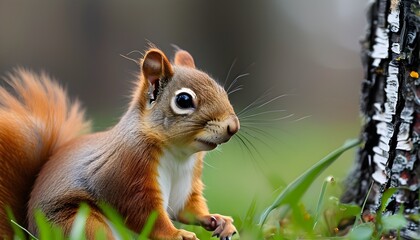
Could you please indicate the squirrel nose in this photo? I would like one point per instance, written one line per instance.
(233, 125)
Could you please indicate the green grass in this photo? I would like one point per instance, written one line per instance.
(234, 178)
(243, 183)
(292, 194)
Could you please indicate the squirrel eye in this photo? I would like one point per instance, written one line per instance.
(184, 100)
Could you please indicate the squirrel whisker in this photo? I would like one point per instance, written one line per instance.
(238, 88)
(262, 113)
(302, 118)
(230, 70)
(253, 103)
(236, 79)
(260, 131)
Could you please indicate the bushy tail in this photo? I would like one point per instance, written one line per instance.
(36, 118)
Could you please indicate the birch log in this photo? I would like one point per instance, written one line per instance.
(390, 106)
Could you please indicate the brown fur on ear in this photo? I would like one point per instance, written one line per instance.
(184, 58)
(155, 65)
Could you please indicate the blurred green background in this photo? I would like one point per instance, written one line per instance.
(306, 49)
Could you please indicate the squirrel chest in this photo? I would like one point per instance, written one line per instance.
(175, 174)
(150, 161)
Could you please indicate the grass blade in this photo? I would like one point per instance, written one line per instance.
(17, 229)
(148, 227)
(328, 180)
(79, 224)
(116, 221)
(45, 229)
(250, 214)
(386, 196)
(17, 236)
(295, 190)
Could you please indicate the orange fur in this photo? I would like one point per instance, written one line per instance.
(34, 122)
(121, 166)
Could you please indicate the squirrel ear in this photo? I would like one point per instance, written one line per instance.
(156, 65)
(184, 58)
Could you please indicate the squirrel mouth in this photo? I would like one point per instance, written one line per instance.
(209, 145)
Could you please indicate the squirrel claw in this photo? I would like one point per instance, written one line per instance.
(224, 233)
(222, 226)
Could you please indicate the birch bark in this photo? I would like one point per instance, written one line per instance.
(390, 106)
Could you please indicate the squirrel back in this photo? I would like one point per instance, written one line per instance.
(35, 120)
(151, 160)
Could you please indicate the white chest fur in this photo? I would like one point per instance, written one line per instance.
(175, 180)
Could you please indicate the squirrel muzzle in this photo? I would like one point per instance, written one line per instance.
(233, 125)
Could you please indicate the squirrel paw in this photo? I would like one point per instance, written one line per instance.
(185, 235)
(221, 226)
(178, 234)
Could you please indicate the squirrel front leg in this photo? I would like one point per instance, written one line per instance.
(165, 230)
(137, 210)
(196, 210)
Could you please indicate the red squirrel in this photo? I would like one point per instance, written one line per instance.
(151, 160)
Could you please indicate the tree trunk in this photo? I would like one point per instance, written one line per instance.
(390, 105)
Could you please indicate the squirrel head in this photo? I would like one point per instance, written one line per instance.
(182, 106)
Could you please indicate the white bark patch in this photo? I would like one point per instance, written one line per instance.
(394, 20)
(403, 140)
(395, 48)
(385, 127)
(380, 161)
(380, 115)
(380, 49)
(391, 89)
(407, 113)
(380, 176)
(385, 130)
(380, 152)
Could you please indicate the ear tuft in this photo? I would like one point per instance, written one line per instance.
(155, 65)
(184, 58)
